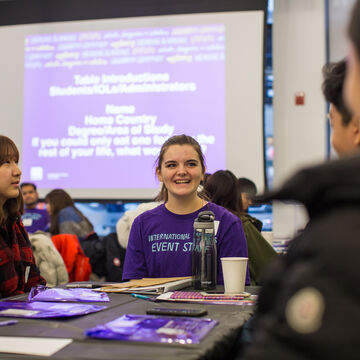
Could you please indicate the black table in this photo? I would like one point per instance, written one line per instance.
(216, 345)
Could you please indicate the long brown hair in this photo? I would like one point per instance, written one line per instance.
(15, 206)
(59, 199)
(222, 189)
(178, 140)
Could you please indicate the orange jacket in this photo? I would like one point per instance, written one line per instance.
(77, 264)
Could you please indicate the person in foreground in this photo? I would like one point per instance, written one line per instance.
(160, 241)
(309, 304)
(222, 188)
(18, 272)
(34, 219)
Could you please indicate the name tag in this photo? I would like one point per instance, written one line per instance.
(27, 222)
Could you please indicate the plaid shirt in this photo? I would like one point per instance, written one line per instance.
(17, 261)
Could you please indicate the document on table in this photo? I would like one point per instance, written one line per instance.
(32, 345)
(149, 285)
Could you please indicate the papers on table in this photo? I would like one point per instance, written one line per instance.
(149, 285)
(44, 310)
(149, 328)
(32, 345)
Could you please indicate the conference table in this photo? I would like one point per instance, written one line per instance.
(216, 345)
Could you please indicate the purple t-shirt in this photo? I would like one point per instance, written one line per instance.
(160, 242)
(35, 219)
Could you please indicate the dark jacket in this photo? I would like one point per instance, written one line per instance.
(309, 307)
(260, 252)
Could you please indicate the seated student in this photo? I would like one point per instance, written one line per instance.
(248, 190)
(161, 239)
(34, 219)
(222, 189)
(67, 219)
(18, 272)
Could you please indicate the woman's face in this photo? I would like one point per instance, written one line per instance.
(352, 82)
(10, 175)
(181, 171)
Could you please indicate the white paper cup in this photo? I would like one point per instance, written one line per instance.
(234, 273)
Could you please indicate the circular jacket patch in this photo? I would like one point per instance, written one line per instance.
(304, 311)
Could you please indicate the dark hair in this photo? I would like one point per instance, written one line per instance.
(28, 184)
(206, 176)
(12, 207)
(247, 186)
(332, 88)
(354, 27)
(222, 189)
(58, 200)
(177, 140)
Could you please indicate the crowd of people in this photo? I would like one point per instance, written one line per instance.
(308, 296)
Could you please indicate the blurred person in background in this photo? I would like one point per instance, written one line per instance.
(222, 188)
(34, 219)
(66, 218)
(248, 191)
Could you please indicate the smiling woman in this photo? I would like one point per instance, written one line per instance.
(18, 272)
(160, 242)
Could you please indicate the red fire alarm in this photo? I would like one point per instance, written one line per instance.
(300, 98)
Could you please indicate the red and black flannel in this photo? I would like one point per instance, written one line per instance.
(15, 256)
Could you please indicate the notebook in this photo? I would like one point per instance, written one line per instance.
(149, 286)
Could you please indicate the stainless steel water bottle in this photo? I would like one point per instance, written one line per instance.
(204, 253)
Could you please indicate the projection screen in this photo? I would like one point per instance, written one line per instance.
(90, 102)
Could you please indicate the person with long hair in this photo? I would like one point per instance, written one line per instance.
(161, 239)
(18, 272)
(65, 217)
(222, 188)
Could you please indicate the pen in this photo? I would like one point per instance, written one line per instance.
(143, 297)
(9, 322)
(82, 285)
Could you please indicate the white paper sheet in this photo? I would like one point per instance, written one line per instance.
(32, 345)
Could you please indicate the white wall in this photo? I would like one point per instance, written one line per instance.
(339, 14)
(299, 131)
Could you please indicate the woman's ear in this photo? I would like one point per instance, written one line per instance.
(356, 131)
(158, 174)
(203, 176)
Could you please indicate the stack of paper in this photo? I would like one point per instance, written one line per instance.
(149, 285)
(205, 298)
